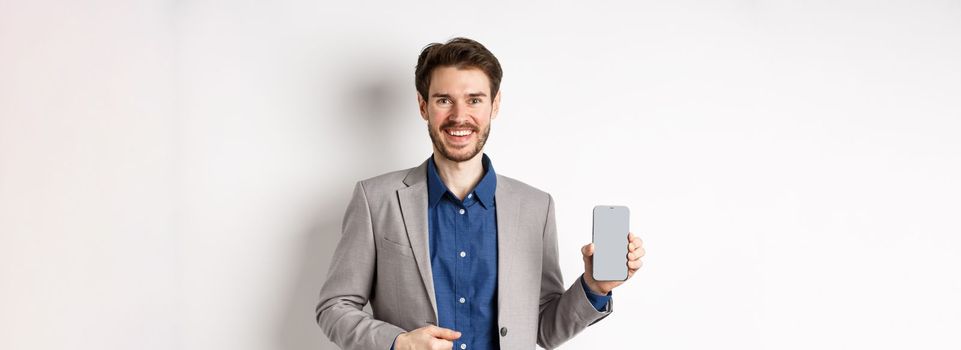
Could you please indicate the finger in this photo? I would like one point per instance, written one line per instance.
(443, 333)
(587, 250)
(634, 265)
(636, 255)
(441, 344)
(630, 236)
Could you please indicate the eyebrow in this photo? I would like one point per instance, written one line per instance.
(473, 94)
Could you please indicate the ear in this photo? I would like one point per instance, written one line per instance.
(422, 105)
(496, 106)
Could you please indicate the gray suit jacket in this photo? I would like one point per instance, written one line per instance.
(383, 258)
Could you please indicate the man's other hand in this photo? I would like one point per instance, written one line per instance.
(427, 338)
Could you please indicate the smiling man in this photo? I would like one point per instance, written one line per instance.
(449, 254)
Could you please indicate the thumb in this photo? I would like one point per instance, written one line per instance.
(443, 333)
(587, 250)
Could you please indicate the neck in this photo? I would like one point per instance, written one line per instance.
(460, 177)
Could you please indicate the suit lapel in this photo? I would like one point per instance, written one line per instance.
(413, 207)
(508, 207)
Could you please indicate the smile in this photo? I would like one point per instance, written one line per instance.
(452, 132)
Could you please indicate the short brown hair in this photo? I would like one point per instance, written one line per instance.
(460, 53)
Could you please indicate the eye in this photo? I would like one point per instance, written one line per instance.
(475, 100)
(443, 100)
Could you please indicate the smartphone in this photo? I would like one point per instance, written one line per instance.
(611, 224)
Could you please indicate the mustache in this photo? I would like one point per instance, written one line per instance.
(452, 125)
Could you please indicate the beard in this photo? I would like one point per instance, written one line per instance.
(451, 154)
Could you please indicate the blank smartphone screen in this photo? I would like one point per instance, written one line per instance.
(611, 224)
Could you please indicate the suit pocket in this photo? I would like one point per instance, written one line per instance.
(396, 247)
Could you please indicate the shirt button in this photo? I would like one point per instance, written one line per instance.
(503, 331)
(463, 346)
(463, 254)
(461, 211)
(469, 195)
(462, 300)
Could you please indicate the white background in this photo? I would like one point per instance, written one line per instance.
(173, 173)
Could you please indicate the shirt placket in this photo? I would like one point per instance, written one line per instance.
(462, 285)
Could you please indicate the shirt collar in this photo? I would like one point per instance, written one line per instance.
(484, 189)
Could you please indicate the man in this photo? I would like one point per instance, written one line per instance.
(449, 254)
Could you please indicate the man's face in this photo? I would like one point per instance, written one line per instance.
(459, 110)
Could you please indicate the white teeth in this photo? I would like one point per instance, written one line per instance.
(459, 132)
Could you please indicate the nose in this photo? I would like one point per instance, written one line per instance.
(459, 112)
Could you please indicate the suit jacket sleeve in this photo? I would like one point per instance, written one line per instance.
(563, 314)
(349, 284)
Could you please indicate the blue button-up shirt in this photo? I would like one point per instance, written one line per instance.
(463, 259)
